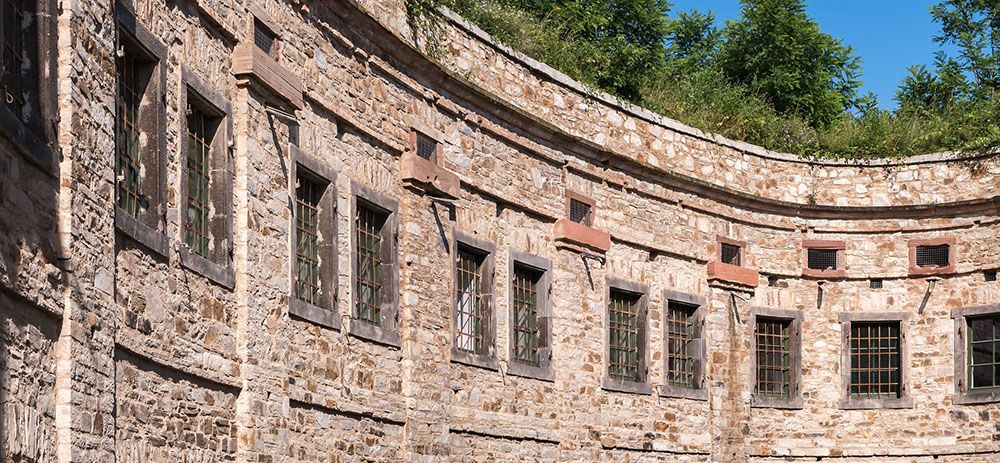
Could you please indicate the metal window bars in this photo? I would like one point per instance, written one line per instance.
(264, 38)
(471, 309)
(307, 265)
(875, 360)
(524, 294)
(128, 167)
(680, 332)
(13, 53)
(821, 259)
(199, 165)
(426, 147)
(623, 336)
(933, 256)
(730, 254)
(369, 279)
(773, 342)
(984, 354)
(580, 212)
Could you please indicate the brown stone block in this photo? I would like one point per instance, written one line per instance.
(572, 232)
(250, 61)
(733, 274)
(430, 176)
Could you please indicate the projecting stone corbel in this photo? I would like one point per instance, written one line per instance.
(728, 264)
(420, 165)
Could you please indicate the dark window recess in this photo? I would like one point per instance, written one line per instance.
(13, 54)
(471, 303)
(580, 212)
(132, 81)
(623, 336)
(307, 278)
(875, 360)
(933, 256)
(526, 328)
(264, 38)
(875, 283)
(426, 147)
(680, 342)
(822, 259)
(984, 354)
(370, 280)
(990, 275)
(201, 129)
(731, 254)
(773, 340)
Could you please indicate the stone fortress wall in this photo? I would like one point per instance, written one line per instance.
(121, 347)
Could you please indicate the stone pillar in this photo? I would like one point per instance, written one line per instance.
(728, 323)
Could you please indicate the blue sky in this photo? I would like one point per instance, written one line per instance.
(888, 35)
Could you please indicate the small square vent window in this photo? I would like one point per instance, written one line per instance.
(875, 283)
(426, 147)
(990, 275)
(731, 254)
(822, 259)
(933, 256)
(580, 212)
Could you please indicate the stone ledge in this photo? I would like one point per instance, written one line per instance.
(733, 274)
(428, 175)
(572, 232)
(251, 61)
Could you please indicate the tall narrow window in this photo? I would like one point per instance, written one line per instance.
(773, 339)
(200, 130)
(875, 360)
(984, 354)
(527, 334)
(308, 195)
(624, 341)
(680, 332)
(369, 279)
(471, 303)
(130, 93)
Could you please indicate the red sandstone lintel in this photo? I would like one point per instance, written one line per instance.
(430, 176)
(733, 273)
(250, 60)
(572, 232)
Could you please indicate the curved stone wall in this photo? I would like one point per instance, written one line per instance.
(161, 356)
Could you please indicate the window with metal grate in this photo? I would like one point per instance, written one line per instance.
(875, 360)
(681, 356)
(580, 212)
(731, 254)
(369, 278)
(875, 283)
(426, 147)
(990, 275)
(933, 256)
(264, 38)
(822, 259)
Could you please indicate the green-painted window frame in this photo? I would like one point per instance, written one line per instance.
(970, 360)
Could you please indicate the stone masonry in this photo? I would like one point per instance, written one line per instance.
(121, 344)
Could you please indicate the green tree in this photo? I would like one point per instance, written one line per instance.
(933, 92)
(973, 26)
(692, 42)
(775, 49)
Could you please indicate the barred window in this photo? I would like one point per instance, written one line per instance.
(14, 54)
(624, 338)
(984, 354)
(369, 277)
(471, 302)
(427, 147)
(822, 259)
(527, 334)
(773, 343)
(730, 254)
(307, 259)
(200, 131)
(933, 256)
(264, 38)
(875, 357)
(680, 332)
(129, 99)
(580, 212)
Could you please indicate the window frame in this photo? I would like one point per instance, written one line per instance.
(905, 400)
(642, 386)
(950, 241)
(325, 313)
(543, 288)
(259, 15)
(575, 196)
(742, 245)
(487, 250)
(388, 333)
(794, 317)
(218, 266)
(150, 229)
(36, 140)
(837, 245)
(963, 395)
(419, 129)
(699, 345)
